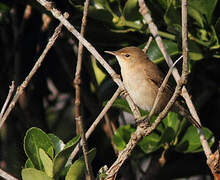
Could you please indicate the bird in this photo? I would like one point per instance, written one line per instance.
(142, 79)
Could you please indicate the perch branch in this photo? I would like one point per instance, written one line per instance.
(58, 15)
(154, 31)
(142, 129)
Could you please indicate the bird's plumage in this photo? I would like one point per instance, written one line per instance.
(142, 79)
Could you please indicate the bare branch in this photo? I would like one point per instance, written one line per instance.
(96, 122)
(77, 80)
(57, 14)
(24, 84)
(163, 85)
(6, 176)
(148, 44)
(154, 31)
(11, 89)
(142, 130)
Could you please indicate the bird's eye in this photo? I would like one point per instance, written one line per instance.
(127, 55)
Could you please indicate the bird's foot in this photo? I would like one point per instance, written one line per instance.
(124, 93)
(143, 119)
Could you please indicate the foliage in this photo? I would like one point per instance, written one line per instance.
(47, 102)
(48, 157)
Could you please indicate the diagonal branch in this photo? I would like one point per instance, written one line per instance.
(96, 122)
(58, 15)
(7, 176)
(11, 90)
(143, 129)
(24, 84)
(154, 31)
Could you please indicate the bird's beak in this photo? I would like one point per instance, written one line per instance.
(110, 52)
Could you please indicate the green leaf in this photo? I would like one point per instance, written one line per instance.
(98, 14)
(61, 158)
(47, 162)
(35, 139)
(150, 143)
(57, 143)
(205, 7)
(155, 54)
(78, 168)
(172, 121)
(195, 52)
(122, 136)
(196, 15)
(123, 105)
(130, 11)
(31, 173)
(172, 15)
(168, 136)
(29, 164)
(190, 142)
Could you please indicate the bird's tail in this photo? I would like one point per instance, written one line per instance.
(183, 112)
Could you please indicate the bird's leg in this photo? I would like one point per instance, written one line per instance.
(143, 119)
(124, 93)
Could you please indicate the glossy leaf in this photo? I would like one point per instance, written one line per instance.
(205, 7)
(97, 14)
(195, 53)
(123, 105)
(57, 143)
(190, 142)
(30, 173)
(61, 158)
(122, 136)
(130, 11)
(29, 164)
(155, 54)
(150, 143)
(47, 162)
(197, 16)
(78, 168)
(35, 139)
(172, 121)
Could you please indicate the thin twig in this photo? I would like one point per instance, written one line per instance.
(184, 39)
(77, 80)
(96, 122)
(24, 84)
(154, 31)
(148, 44)
(11, 89)
(6, 176)
(163, 85)
(141, 131)
(57, 14)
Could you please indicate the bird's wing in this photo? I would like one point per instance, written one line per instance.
(156, 77)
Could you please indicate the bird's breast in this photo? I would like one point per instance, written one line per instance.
(139, 88)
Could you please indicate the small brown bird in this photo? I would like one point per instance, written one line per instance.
(142, 79)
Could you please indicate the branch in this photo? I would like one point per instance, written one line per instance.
(7, 176)
(143, 129)
(163, 85)
(154, 31)
(57, 14)
(96, 122)
(24, 84)
(11, 89)
(77, 81)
